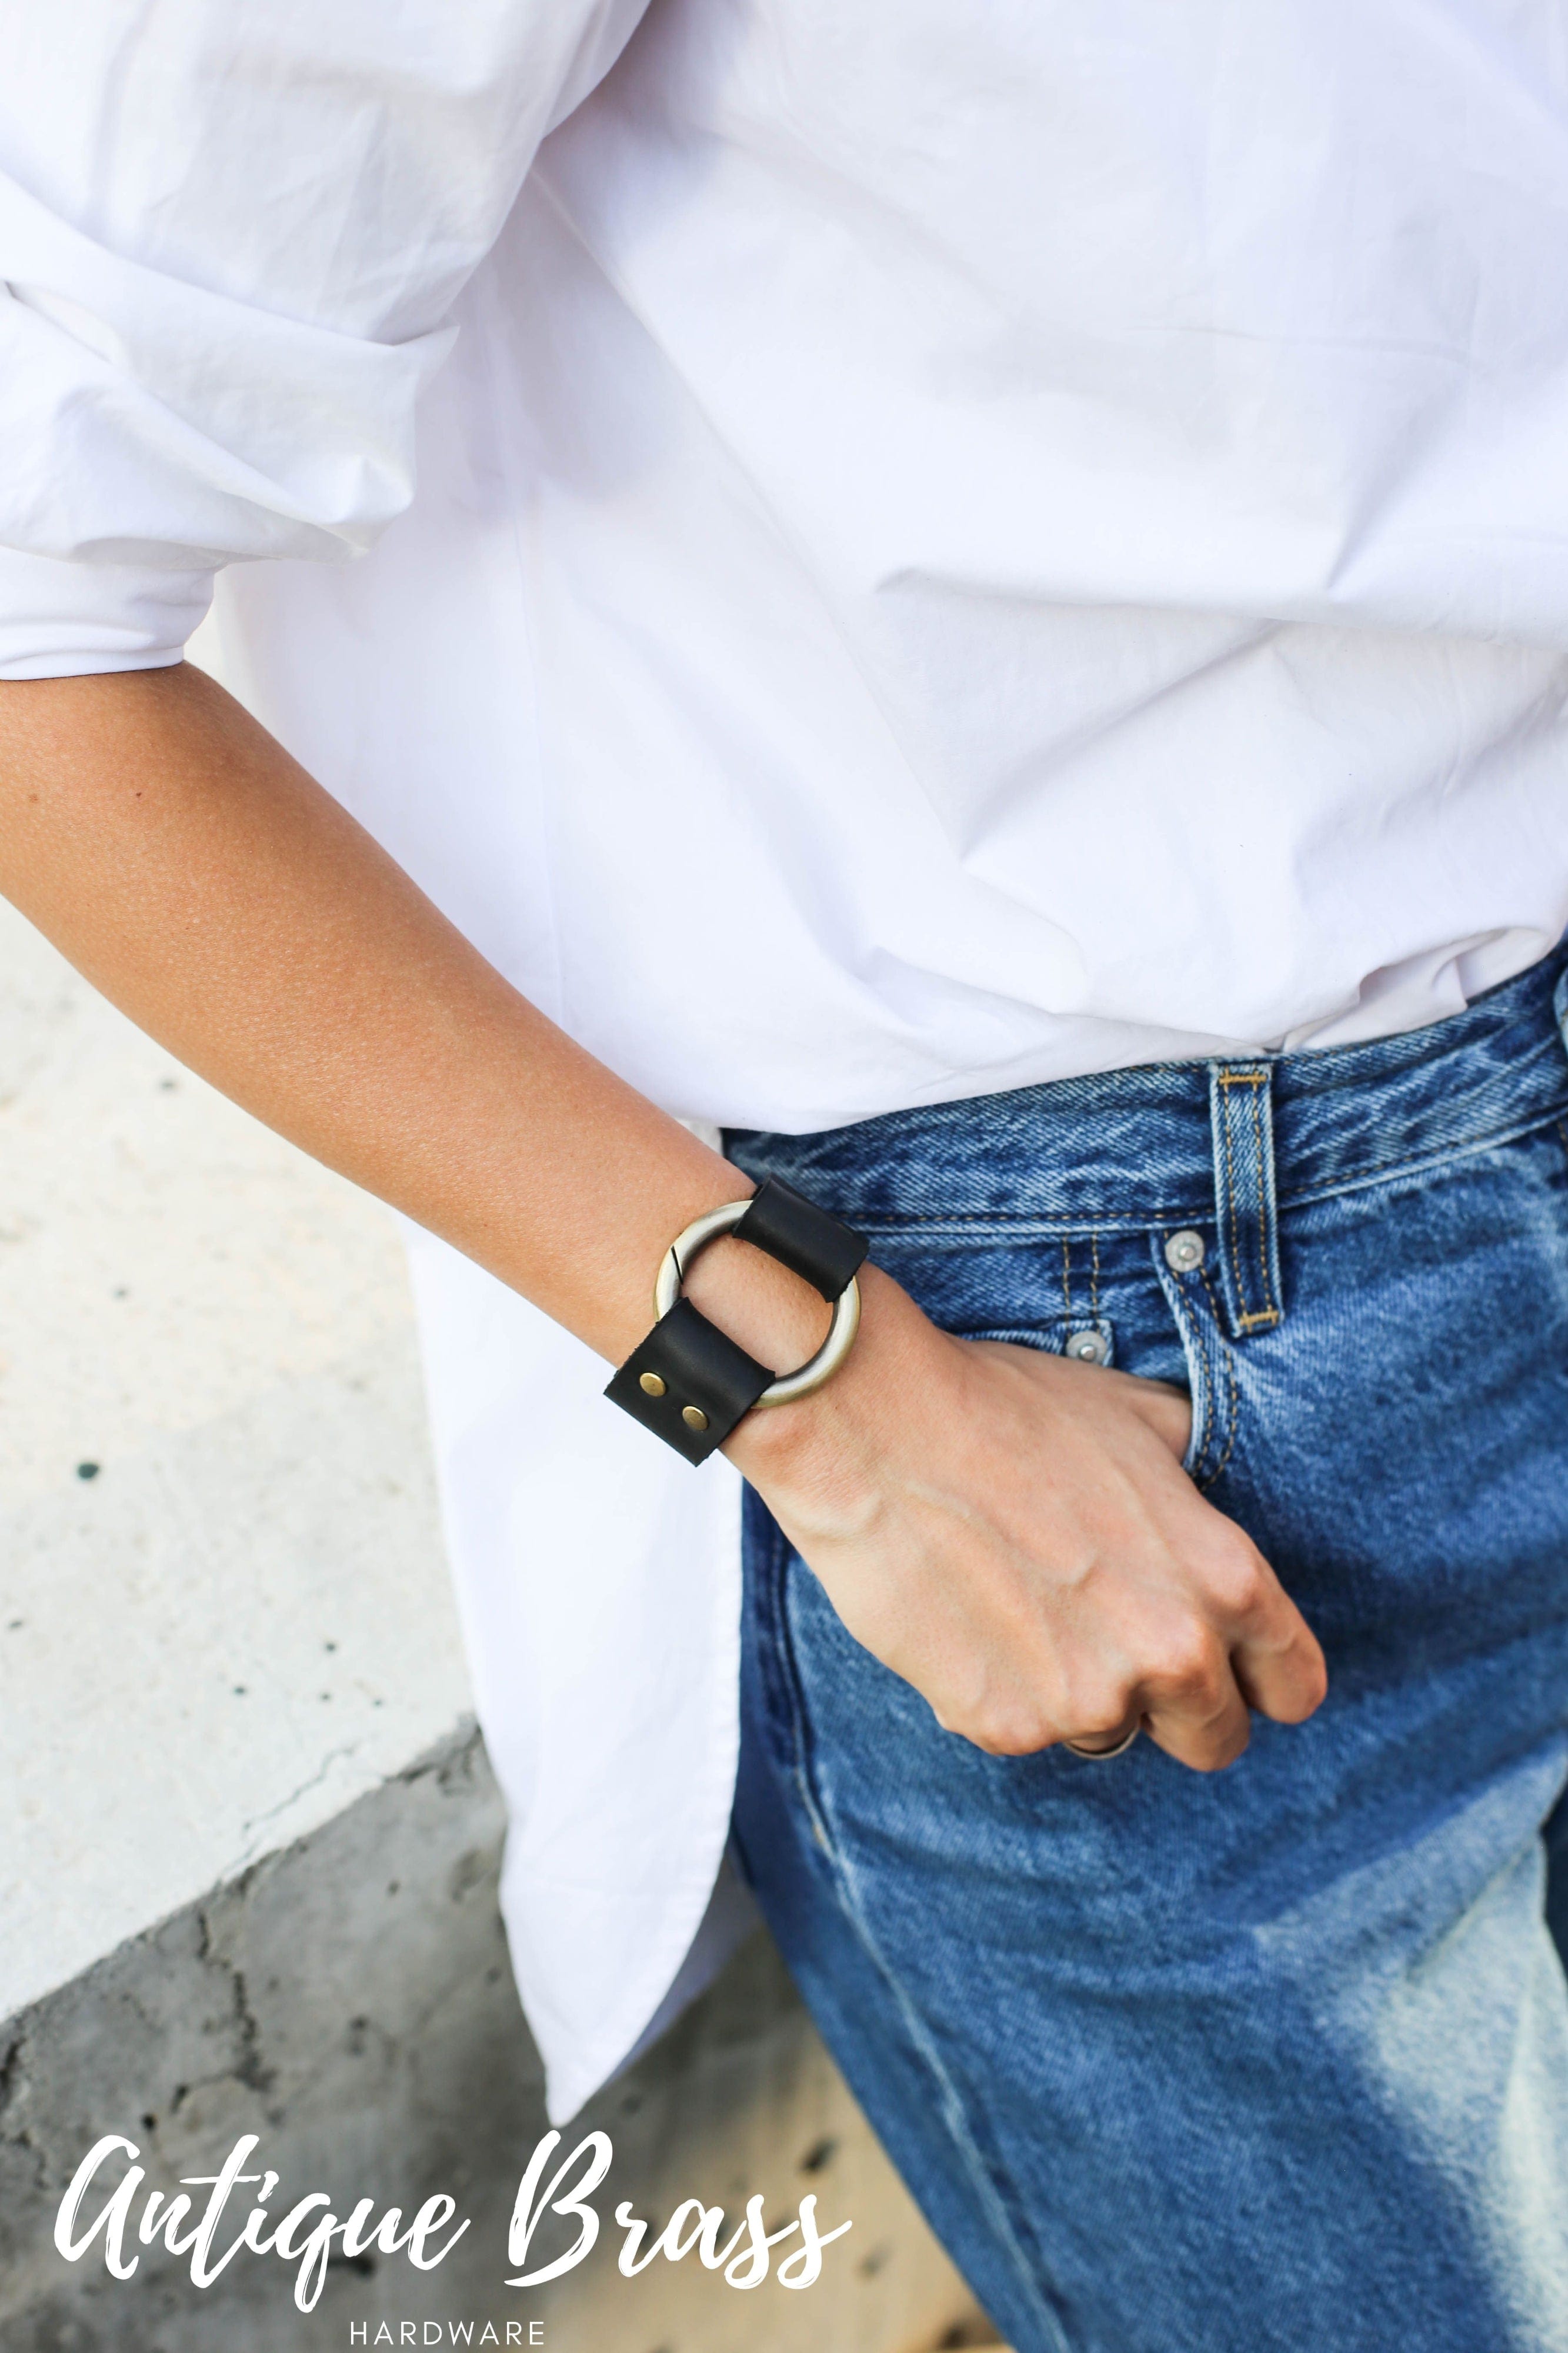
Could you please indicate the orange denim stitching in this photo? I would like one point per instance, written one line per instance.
(1208, 1383)
(1269, 1299)
(1208, 1406)
(1230, 1372)
(1224, 1080)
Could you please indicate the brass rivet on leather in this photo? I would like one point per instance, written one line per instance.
(693, 1417)
(651, 1385)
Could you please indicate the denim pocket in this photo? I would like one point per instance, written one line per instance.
(1211, 1367)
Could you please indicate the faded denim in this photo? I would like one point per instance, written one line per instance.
(1275, 2058)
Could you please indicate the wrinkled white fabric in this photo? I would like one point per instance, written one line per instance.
(951, 548)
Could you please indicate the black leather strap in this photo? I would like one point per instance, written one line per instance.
(689, 1383)
(819, 1247)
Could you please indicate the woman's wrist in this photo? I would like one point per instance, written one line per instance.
(812, 1450)
(773, 1314)
(746, 1329)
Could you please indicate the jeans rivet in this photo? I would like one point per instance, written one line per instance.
(1087, 1348)
(1184, 1251)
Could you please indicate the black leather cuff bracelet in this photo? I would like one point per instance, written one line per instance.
(688, 1382)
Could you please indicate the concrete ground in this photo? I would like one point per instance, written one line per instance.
(249, 1842)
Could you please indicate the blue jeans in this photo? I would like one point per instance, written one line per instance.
(1275, 2058)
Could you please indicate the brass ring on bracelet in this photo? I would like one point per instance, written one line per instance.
(689, 1246)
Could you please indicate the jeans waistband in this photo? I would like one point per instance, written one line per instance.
(1138, 1147)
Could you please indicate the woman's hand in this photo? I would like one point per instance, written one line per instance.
(1013, 1534)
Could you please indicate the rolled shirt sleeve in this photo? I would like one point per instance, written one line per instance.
(230, 241)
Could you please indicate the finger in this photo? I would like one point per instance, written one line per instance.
(1207, 1739)
(1278, 1664)
(1193, 1707)
(1167, 1410)
(1285, 1676)
(1107, 1744)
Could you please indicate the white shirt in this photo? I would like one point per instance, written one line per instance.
(952, 547)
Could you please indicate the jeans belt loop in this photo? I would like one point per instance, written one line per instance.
(1241, 1116)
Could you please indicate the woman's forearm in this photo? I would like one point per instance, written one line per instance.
(212, 891)
(1010, 1532)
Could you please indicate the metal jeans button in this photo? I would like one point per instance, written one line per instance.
(1184, 1251)
(1087, 1347)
